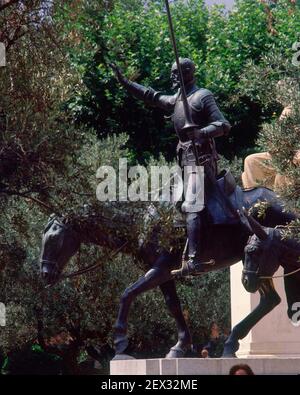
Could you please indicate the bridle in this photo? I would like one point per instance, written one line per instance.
(244, 271)
(256, 272)
(79, 272)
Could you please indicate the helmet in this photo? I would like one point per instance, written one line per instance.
(188, 71)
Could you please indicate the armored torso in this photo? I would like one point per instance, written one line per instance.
(199, 115)
(204, 111)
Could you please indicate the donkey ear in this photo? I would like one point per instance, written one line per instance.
(256, 227)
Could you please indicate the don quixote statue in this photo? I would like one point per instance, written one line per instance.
(197, 121)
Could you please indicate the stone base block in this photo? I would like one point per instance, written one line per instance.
(200, 366)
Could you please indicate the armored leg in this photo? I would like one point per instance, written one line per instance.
(194, 229)
(193, 207)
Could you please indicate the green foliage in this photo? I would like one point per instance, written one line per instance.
(59, 96)
(136, 37)
(275, 84)
(281, 139)
(48, 164)
(232, 40)
(31, 360)
(248, 33)
(251, 30)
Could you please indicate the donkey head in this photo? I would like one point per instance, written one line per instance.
(261, 256)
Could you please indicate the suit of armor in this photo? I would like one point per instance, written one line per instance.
(210, 124)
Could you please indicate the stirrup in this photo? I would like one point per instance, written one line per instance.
(189, 268)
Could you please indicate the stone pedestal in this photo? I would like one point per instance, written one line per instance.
(201, 366)
(272, 346)
(274, 335)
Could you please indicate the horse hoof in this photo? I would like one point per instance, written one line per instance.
(229, 355)
(175, 353)
(121, 344)
(120, 357)
(230, 348)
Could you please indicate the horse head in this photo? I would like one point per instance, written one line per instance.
(261, 256)
(60, 242)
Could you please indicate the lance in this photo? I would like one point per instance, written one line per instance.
(189, 124)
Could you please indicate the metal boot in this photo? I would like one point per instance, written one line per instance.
(193, 266)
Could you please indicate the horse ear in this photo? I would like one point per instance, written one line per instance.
(256, 227)
(50, 222)
(51, 217)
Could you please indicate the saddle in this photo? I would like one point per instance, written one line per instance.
(217, 209)
(218, 212)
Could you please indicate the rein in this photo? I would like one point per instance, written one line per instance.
(270, 277)
(94, 266)
(84, 270)
(281, 276)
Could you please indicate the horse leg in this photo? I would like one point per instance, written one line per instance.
(159, 274)
(173, 303)
(269, 299)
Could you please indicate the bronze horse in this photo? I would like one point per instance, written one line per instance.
(61, 241)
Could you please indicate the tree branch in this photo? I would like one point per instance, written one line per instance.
(35, 200)
(7, 3)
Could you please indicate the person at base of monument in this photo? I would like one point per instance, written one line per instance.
(215, 344)
(241, 370)
(210, 124)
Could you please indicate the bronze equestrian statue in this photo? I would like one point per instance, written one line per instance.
(62, 239)
(209, 123)
(197, 109)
